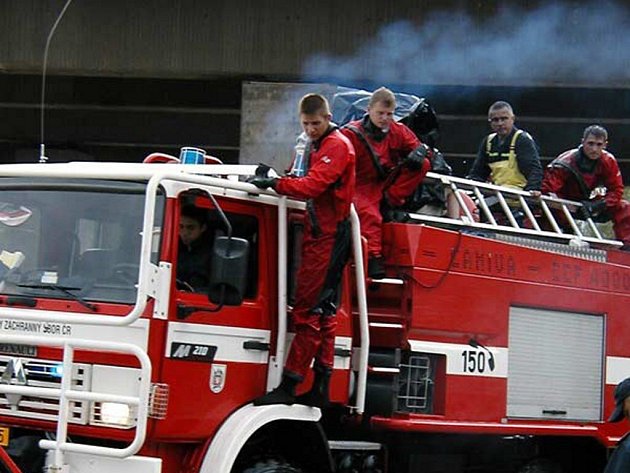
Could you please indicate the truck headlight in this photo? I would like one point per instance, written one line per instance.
(114, 413)
(115, 380)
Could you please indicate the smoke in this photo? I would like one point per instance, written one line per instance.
(558, 44)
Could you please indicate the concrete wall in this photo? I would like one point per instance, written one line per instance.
(269, 120)
(454, 42)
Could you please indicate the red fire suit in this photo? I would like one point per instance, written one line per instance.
(561, 181)
(397, 183)
(328, 188)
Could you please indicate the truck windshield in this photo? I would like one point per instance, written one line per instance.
(72, 240)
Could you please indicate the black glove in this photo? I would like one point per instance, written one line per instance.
(262, 170)
(591, 208)
(416, 158)
(263, 182)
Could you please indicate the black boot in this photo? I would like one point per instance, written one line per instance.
(318, 396)
(376, 269)
(283, 394)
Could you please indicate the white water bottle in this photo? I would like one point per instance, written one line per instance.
(299, 156)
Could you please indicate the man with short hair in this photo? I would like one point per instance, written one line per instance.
(619, 462)
(194, 250)
(391, 162)
(508, 156)
(328, 188)
(590, 174)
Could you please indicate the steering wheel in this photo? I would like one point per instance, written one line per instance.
(126, 272)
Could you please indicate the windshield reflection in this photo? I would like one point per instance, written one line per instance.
(85, 237)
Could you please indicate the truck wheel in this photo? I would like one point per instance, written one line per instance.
(272, 466)
(541, 466)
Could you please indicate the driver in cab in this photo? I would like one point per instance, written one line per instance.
(194, 250)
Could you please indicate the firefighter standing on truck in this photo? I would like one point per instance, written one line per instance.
(576, 173)
(391, 162)
(507, 156)
(328, 187)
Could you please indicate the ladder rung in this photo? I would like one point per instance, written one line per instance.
(508, 201)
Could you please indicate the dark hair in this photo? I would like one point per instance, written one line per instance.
(597, 131)
(314, 104)
(196, 213)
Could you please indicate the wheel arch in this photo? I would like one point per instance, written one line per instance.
(285, 427)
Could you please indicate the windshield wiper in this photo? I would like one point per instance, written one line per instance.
(64, 289)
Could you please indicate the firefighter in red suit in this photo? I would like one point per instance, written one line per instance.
(576, 173)
(328, 188)
(390, 165)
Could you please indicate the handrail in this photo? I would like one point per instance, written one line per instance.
(277, 361)
(363, 312)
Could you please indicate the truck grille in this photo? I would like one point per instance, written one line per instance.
(44, 374)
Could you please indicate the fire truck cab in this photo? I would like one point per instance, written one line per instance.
(492, 345)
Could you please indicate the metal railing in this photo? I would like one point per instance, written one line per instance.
(500, 209)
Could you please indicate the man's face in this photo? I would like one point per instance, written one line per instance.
(381, 115)
(593, 147)
(190, 229)
(501, 121)
(315, 125)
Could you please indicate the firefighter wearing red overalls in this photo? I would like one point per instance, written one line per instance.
(577, 174)
(391, 162)
(328, 188)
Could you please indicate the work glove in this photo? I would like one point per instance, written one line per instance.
(263, 182)
(262, 170)
(416, 158)
(591, 208)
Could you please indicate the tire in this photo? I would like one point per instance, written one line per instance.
(541, 466)
(272, 466)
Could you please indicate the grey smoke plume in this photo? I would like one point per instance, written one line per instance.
(555, 44)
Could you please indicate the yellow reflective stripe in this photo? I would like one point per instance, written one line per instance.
(512, 148)
(514, 138)
(490, 138)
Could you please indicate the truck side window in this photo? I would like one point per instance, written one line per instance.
(243, 226)
(194, 249)
(198, 228)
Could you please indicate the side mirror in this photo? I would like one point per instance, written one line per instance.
(228, 274)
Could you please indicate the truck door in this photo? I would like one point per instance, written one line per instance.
(215, 356)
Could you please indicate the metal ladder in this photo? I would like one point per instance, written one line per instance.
(513, 211)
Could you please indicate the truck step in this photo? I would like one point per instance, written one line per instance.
(392, 281)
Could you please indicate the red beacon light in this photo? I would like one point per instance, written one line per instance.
(187, 155)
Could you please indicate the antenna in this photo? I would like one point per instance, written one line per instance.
(42, 146)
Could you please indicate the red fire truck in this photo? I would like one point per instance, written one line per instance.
(494, 344)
